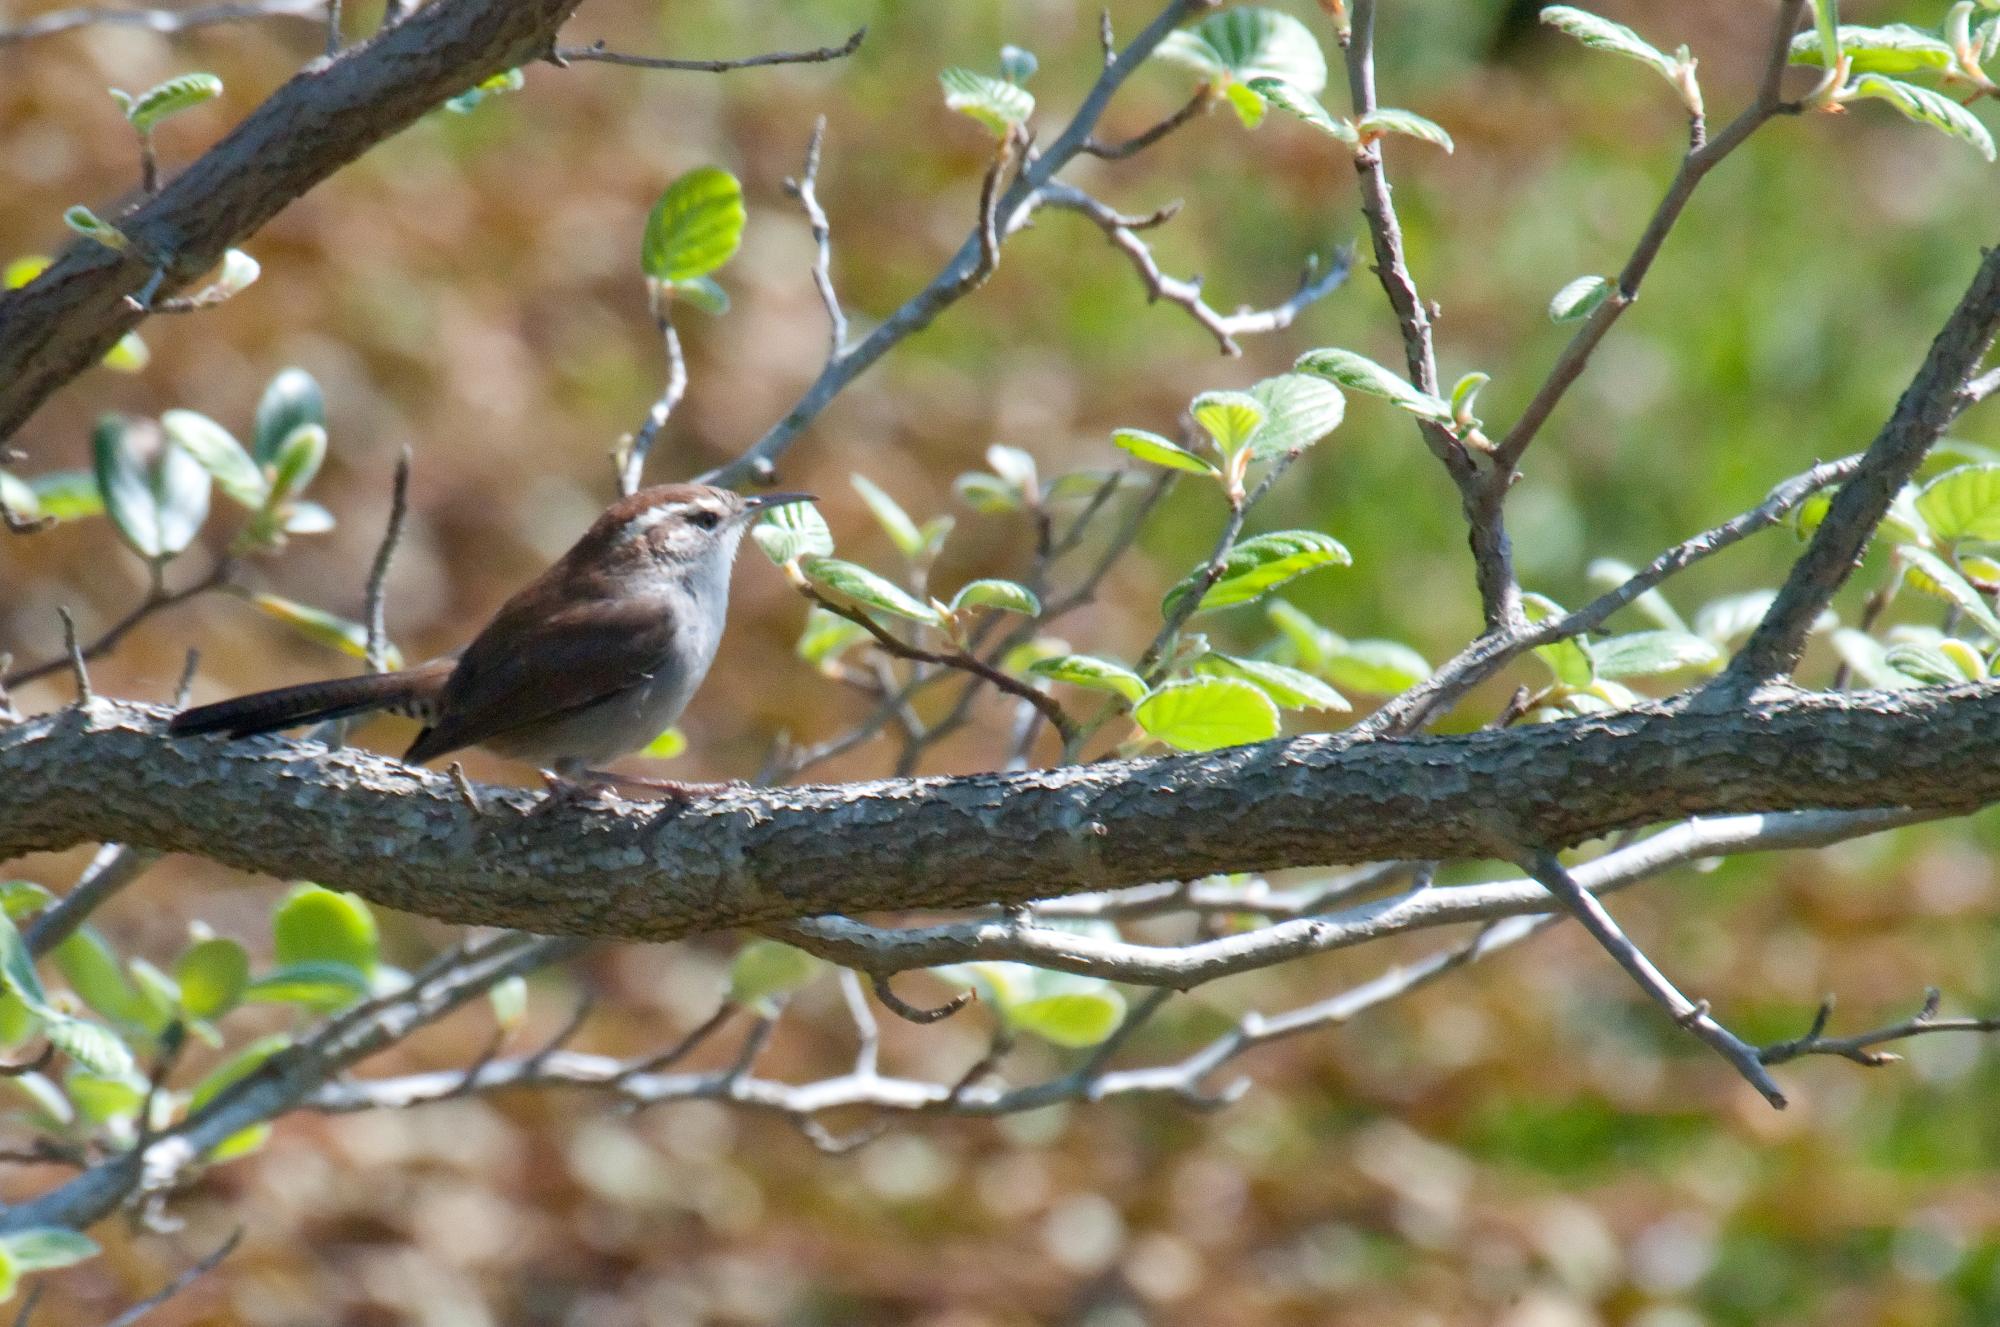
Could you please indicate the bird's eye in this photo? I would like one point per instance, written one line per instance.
(704, 518)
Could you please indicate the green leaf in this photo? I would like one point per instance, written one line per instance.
(1579, 299)
(316, 925)
(986, 493)
(793, 531)
(1018, 65)
(1231, 418)
(170, 98)
(1288, 688)
(1073, 1019)
(1016, 469)
(764, 969)
(1465, 395)
(827, 636)
(857, 584)
(994, 102)
(1651, 653)
(1567, 659)
(1603, 35)
(1926, 107)
(68, 495)
(100, 1099)
(45, 1248)
(668, 744)
(509, 998)
(1247, 43)
(507, 80)
(1376, 667)
(218, 453)
(1092, 673)
(1005, 596)
(704, 292)
(1963, 504)
(130, 355)
(1896, 48)
(317, 986)
(1932, 575)
(695, 227)
(1204, 713)
(23, 898)
(1257, 566)
(95, 1047)
(212, 975)
(1361, 374)
(1927, 665)
(17, 971)
(10, 1275)
(23, 270)
(1152, 447)
(154, 491)
(92, 971)
(93, 227)
(889, 514)
(1246, 102)
(1826, 25)
(160, 993)
(1304, 105)
(1408, 123)
(1299, 410)
(292, 398)
(297, 462)
(235, 1069)
(337, 633)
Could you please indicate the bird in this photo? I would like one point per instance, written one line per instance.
(590, 661)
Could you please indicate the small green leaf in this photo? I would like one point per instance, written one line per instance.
(130, 355)
(291, 399)
(704, 292)
(1408, 123)
(317, 986)
(1896, 48)
(986, 493)
(100, 1099)
(170, 98)
(1927, 665)
(337, 633)
(507, 80)
(212, 975)
(10, 1275)
(23, 270)
(1073, 1019)
(1247, 43)
(1963, 504)
(1246, 102)
(668, 744)
(1016, 469)
(1926, 107)
(1231, 418)
(1934, 576)
(1088, 671)
(889, 514)
(1579, 299)
(764, 969)
(1361, 374)
(17, 970)
(92, 227)
(509, 998)
(1376, 667)
(696, 226)
(1304, 105)
(92, 971)
(235, 1069)
(1257, 566)
(92, 1045)
(218, 453)
(1465, 395)
(68, 495)
(1299, 410)
(154, 491)
(22, 898)
(857, 584)
(316, 925)
(1204, 713)
(994, 102)
(1603, 35)
(1567, 659)
(1289, 688)
(297, 462)
(793, 531)
(1017, 64)
(1005, 596)
(827, 636)
(1651, 653)
(1152, 447)
(45, 1248)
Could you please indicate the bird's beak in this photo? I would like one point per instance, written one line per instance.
(765, 501)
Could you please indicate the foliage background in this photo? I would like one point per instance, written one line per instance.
(1524, 1144)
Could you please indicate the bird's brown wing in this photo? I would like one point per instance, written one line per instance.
(529, 667)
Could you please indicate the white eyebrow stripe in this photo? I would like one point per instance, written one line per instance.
(651, 517)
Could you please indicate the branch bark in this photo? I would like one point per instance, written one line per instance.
(404, 838)
(327, 115)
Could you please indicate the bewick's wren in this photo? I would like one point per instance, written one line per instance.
(591, 661)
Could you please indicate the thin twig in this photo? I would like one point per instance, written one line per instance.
(819, 55)
(1130, 147)
(179, 1283)
(79, 671)
(1860, 1047)
(154, 602)
(633, 464)
(378, 572)
(806, 189)
(158, 20)
(900, 1007)
(115, 866)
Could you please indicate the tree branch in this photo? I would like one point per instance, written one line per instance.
(819, 55)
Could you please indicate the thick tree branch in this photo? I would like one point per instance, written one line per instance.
(404, 838)
(328, 114)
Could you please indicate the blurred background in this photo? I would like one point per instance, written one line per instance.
(1524, 1144)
